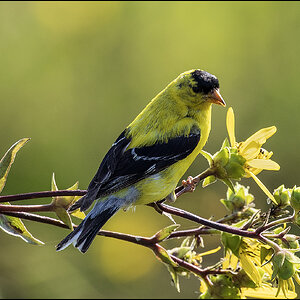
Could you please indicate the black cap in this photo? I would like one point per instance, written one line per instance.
(206, 82)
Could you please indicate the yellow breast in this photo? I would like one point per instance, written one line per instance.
(158, 186)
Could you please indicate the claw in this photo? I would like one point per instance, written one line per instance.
(189, 184)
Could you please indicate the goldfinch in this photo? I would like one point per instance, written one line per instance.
(150, 156)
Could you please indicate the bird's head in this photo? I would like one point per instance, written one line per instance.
(196, 87)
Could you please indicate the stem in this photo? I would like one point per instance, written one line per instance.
(192, 232)
(288, 219)
(146, 242)
(205, 222)
(36, 218)
(26, 208)
(270, 243)
(44, 194)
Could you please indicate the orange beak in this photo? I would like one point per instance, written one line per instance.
(216, 97)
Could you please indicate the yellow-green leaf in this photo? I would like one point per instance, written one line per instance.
(267, 292)
(209, 180)
(250, 268)
(14, 226)
(175, 278)
(63, 201)
(8, 159)
(78, 214)
(208, 156)
(164, 256)
(64, 216)
(165, 232)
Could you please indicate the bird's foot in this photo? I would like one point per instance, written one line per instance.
(189, 185)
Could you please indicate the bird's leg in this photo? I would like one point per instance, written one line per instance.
(156, 207)
(171, 197)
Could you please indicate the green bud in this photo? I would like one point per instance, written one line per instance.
(284, 265)
(237, 200)
(228, 164)
(235, 166)
(287, 270)
(292, 240)
(221, 157)
(223, 287)
(295, 198)
(282, 196)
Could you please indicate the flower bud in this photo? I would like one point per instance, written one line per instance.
(287, 270)
(223, 287)
(284, 264)
(295, 198)
(228, 164)
(292, 240)
(237, 200)
(282, 196)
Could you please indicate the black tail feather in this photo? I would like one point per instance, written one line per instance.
(91, 228)
(85, 233)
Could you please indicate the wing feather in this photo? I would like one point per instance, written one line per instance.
(122, 167)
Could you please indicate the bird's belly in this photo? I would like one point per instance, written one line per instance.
(160, 185)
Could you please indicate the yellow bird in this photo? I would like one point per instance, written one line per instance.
(150, 156)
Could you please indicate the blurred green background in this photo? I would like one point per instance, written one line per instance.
(73, 75)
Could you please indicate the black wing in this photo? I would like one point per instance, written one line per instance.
(121, 168)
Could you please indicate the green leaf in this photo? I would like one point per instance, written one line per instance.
(180, 252)
(165, 232)
(208, 156)
(232, 242)
(62, 203)
(209, 180)
(225, 143)
(14, 226)
(64, 216)
(8, 159)
(229, 184)
(163, 255)
(221, 157)
(175, 278)
(264, 252)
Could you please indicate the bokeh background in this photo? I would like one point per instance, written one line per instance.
(74, 74)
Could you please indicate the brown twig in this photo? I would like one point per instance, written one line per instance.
(44, 194)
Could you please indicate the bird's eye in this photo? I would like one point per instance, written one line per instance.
(180, 85)
(195, 89)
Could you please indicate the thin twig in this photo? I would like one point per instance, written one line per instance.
(223, 227)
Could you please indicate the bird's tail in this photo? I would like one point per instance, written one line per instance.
(85, 233)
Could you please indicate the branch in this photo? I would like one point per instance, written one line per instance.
(146, 242)
(222, 227)
(44, 194)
